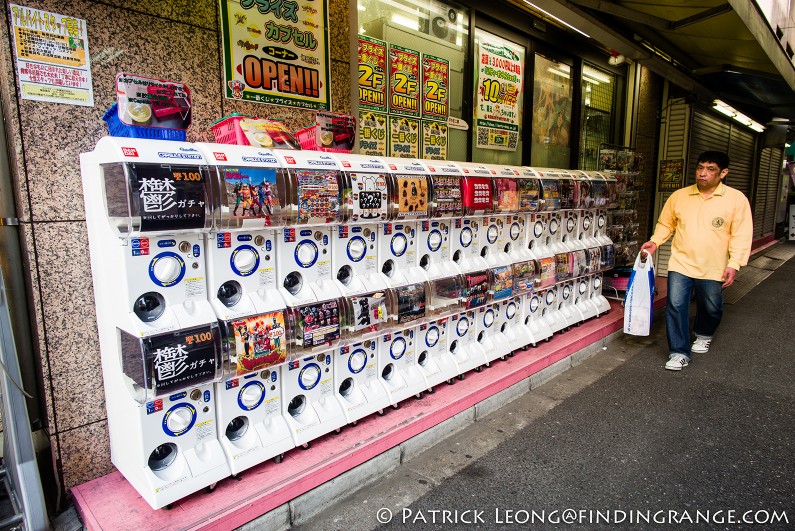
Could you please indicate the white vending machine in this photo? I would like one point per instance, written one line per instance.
(147, 209)
(355, 243)
(248, 205)
(356, 379)
(397, 362)
(316, 200)
(310, 403)
(398, 240)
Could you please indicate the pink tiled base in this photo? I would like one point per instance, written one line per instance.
(110, 502)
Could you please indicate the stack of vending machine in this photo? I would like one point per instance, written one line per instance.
(251, 300)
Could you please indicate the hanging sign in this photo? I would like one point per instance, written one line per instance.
(52, 56)
(404, 81)
(435, 85)
(404, 137)
(372, 74)
(671, 175)
(372, 134)
(497, 113)
(434, 140)
(277, 52)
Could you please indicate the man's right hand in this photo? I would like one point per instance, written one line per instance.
(650, 247)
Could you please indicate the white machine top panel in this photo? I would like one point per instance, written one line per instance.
(498, 170)
(315, 160)
(359, 163)
(141, 150)
(527, 171)
(444, 167)
(234, 155)
(475, 169)
(410, 166)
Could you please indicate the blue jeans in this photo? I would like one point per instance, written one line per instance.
(709, 310)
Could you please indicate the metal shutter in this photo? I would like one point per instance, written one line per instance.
(760, 198)
(708, 133)
(767, 188)
(741, 153)
(773, 189)
(675, 127)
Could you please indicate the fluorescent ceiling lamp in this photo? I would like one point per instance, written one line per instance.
(723, 108)
(589, 79)
(736, 115)
(596, 74)
(557, 72)
(553, 17)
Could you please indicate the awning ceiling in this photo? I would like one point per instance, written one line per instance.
(713, 48)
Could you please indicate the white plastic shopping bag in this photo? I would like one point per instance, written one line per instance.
(638, 302)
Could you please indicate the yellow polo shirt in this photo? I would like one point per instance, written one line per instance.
(709, 234)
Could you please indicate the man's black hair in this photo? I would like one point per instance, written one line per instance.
(718, 157)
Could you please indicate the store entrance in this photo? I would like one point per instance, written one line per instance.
(500, 81)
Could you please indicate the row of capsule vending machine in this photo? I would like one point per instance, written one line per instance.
(249, 301)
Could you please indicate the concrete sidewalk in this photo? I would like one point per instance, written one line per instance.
(620, 435)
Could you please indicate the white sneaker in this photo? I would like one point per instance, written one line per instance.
(677, 362)
(701, 345)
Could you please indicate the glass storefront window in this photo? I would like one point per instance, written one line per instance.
(598, 88)
(552, 104)
(433, 27)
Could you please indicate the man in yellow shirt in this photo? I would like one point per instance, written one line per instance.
(713, 228)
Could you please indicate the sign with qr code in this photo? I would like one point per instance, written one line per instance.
(499, 89)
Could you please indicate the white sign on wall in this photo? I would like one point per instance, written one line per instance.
(52, 58)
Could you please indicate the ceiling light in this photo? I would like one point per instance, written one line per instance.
(723, 108)
(731, 112)
(597, 75)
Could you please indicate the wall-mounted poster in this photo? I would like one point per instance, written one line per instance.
(373, 134)
(671, 176)
(372, 74)
(52, 56)
(434, 140)
(404, 137)
(404, 81)
(499, 86)
(435, 83)
(277, 52)
(552, 95)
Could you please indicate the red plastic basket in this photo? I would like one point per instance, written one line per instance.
(616, 281)
(227, 130)
(306, 137)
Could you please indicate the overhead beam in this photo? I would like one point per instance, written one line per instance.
(704, 15)
(611, 8)
(632, 15)
(764, 35)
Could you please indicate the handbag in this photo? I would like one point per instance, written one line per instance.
(639, 298)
